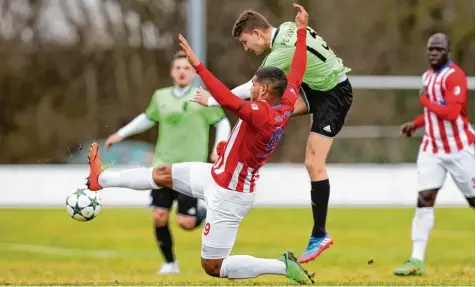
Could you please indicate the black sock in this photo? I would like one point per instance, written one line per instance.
(164, 241)
(470, 201)
(320, 199)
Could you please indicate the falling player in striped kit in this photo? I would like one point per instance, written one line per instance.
(447, 145)
(228, 187)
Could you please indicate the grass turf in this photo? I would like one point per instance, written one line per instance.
(46, 246)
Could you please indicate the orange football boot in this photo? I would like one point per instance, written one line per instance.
(95, 168)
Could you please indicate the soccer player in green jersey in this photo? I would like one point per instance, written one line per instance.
(326, 93)
(184, 135)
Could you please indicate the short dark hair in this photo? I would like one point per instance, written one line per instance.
(178, 55)
(248, 21)
(274, 78)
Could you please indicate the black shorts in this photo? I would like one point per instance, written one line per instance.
(329, 108)
(165, 197)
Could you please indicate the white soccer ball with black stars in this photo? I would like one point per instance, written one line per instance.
(83, 204)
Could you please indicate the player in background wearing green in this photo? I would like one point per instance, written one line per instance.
(326, 93)
(183, 137)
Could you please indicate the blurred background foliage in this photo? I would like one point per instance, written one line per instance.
(78, 70)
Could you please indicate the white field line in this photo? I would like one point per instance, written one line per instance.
(43, 249)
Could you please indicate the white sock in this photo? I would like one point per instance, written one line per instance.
(245, 266)
(422, 224)
(135, 178)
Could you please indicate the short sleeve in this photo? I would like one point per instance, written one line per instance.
(152, 111)
(456, 88)
(255, 113)
(279, 58)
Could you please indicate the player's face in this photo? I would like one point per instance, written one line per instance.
(437, 51)
(182, 72)
(253, 42)
(258, 91)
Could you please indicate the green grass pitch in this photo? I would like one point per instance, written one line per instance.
(46, 246)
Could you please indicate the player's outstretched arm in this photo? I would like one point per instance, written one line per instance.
(298, 66)
(250, 112)
(218, 90)
(137, 125)
(242, 91)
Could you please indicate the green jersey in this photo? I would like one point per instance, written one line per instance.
(184, 126)
(323, 67)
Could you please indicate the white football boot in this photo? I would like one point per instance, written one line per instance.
(169, 268)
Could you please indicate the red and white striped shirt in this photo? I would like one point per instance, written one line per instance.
(447, 128)
(252, 142)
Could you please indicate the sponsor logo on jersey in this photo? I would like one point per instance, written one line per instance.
(262, 155)
(279, 119)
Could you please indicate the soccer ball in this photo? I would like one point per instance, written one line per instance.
(83, 204)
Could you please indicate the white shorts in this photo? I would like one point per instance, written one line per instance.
(432, 169)
(225, 208)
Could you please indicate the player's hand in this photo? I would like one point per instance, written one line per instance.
(302, 18)
(201, 97)
(191, 57)
(407, 129)
(112, 139)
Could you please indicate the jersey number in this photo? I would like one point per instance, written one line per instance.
(312, 50)
(206, 229)
(275, 138)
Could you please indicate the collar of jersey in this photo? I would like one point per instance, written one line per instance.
(444, 67)
(274, 33)
(186, 91)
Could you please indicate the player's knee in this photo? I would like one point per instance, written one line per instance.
(186, 222)
(212, 266)
(315, 168)
(426, 198)
(161, 217)
(162, 175)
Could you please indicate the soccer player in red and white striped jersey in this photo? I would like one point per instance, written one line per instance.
(447, 145)
(228, 186)
(256, 134)
(447, 127)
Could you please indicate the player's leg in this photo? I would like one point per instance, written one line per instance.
(461, 168)
(175, 176)
(329, 112)
(225, 211)
(162, 200)
(189, 214)
(431, 176)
